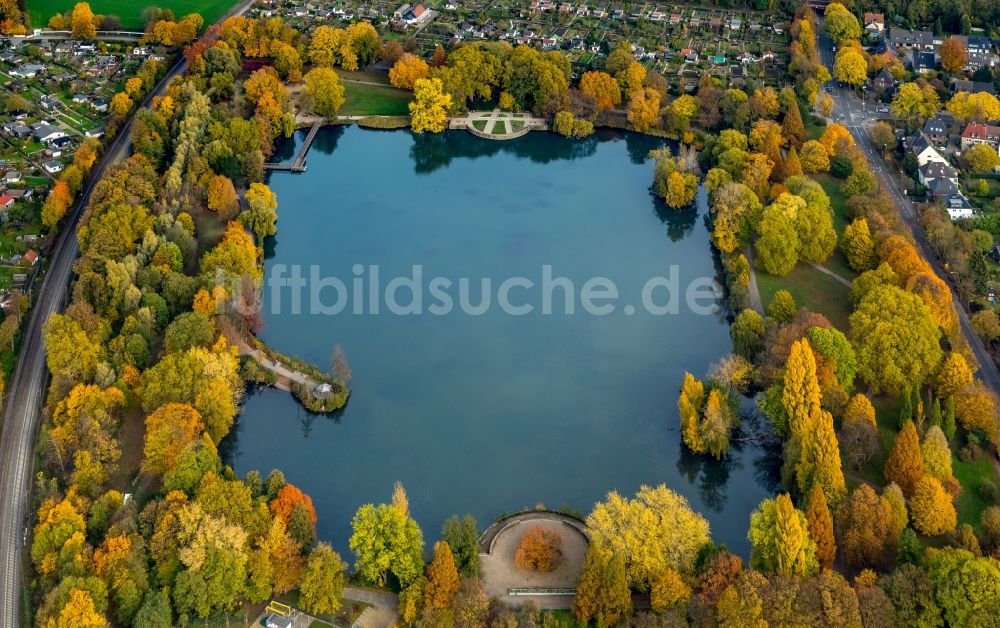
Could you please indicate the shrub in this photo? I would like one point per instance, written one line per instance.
(540, 549)
(988, 490)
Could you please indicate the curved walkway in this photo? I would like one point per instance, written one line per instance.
(823, 269)
(383, 611)
(285, 375)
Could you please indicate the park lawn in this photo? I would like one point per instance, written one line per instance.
(969, 504)
(811, 289)
(363, 99)
(831, 185)
(129, 11)
(500, 128)
(480, 125)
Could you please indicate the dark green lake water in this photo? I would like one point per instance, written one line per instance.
(491, 413)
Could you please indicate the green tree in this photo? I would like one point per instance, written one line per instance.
(190, 329)
(261, 215)
(747, 332)
(322, 582)
(896, 339)
(463, 539)
(780, 538)
(966, 586)
(386, 540)
(778, 244)
(782, 307)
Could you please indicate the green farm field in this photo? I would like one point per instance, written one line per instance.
(129, 11)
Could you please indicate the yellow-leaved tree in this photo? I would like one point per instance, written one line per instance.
(429, 109)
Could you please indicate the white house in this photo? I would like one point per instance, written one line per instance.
(924, 152)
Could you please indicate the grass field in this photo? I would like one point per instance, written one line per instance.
(811, 289)
(129, 11)
(970, 504)
(375, 100)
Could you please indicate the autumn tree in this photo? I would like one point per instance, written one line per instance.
(953, 54)
(644, 109)
(931, 507)
(915, 102)
(429, 109)
(407, 71)
(82, 22)
(839, 23)
(540, 549)
(780, 537)
(286, 500)
(814, 157)
(820, 525)
(883, 135)
(800, 396)
(324, 92)
(896, 339)
(669, 590)
(655, 530)
(120, 105)
(981, 157)
(169, 429)
(868, 533)
(904, 466)
(261, 215)
(850, 67)
(442, 578)
(965, 586)
(858, 246)
(222, 196)
(792, 126)
(977, 107)
(322, 583)
(602, 592)
(57, 203)
(602, 87)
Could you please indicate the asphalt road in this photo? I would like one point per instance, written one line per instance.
(858, 118)
(26, 392)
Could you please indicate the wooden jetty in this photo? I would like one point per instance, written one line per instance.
(299, 163)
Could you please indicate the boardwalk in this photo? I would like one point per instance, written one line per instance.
(299, 163)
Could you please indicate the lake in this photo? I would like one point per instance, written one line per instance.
(493, 409)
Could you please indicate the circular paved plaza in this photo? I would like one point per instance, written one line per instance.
(500, 574)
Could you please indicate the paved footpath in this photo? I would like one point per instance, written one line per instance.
(381, 614)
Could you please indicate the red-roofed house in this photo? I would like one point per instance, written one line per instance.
(31, 257)
(874, 23)
(975, 133)
(6, 201)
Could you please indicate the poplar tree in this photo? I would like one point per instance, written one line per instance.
(689, 405)
(801, 393)
(932, 508)
(821, 527)
(905, 464)
(442, 578)
(793, 167)
(819, 461)
(780, 538)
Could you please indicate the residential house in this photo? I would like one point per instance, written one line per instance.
(936, 129)
(48, 102)
(20, 194)
(12, 176)
(27, 70)
(6, 201)
(975, 133)
(53, 166)
(16, 129)
(958, 207)
(45, 132)
(31, 257)
(924, 151)
(924, 62)
(939, 178)
(874, 24)
(972, 87)
(99, 104)
(918, 40)
(883, 81)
